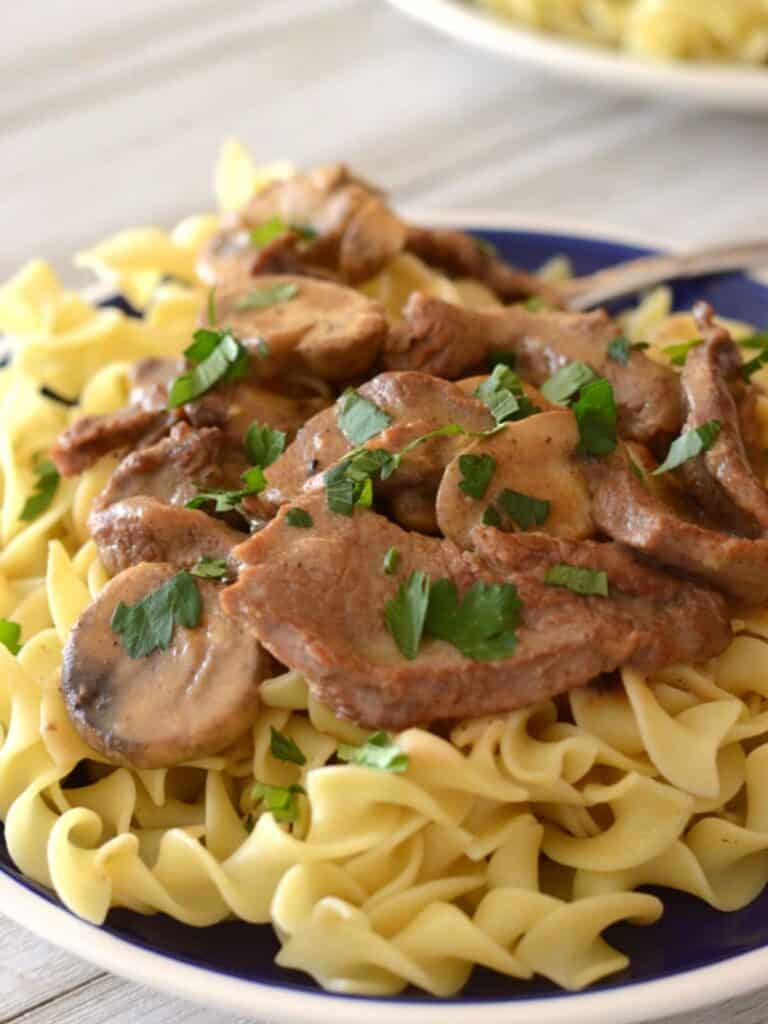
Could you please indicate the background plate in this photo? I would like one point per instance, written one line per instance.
(694, 956)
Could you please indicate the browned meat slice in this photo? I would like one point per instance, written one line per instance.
(416, 403)
(624, 509)
(451, 341)
(187, 702)
(90, 437)
(234, 407)
(534, 457)
(141, 529)
(315, 598)
(722, 478)
(461, 255)
(319, 328)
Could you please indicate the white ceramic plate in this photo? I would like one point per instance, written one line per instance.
(715, 85)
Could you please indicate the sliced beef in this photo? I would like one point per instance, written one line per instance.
(536, 457)
(722, 478)
(323, 329)
(450, 341)
(190, 701)
(315, 598)
(91, 437)
(235, 406)
(143, 529)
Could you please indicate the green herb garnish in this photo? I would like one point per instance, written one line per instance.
(210, 568)
(267, 232)
(405, 613)
(476, 472)
(621, 348)
(482, 625)
(753, 365)
(45, 488)
(360, 419)
(271, 295)
(280, 801)
(379, 751)
(299, 517)
(536, 304)
(212, 306)
(592, 582)
(219, 357)
(491, 516)
(264, 444)
(526, 511)
(679, 353)
(567, 382)
(505, 396)
(227, 501)
(10, 635)
(689, 445)
(348, 483)
(284, 748)
(496, 356)
(148, 625)
(595, 413)
(391, 560)
(759, 340)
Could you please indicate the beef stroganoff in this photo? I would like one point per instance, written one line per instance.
(357, 589)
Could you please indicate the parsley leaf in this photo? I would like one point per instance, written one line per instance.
(491, 516)
(271, 295)
(280, 801)
(406, 612)
(267, 232)
(263, 444)
(210, 568)
(391, 560)
(10, 635)
(753, 365)
(218, 355)
(679, 353)
(759, 340)
(45, 489)
(379, 751)
(482, 625)
(536, 304)
(476, 472)
(299, 517)
(689, 445)
(349, 482)
(148, 625)
(359, 419)
(284, 748)
(581, 581)
(496, 356)
(212, 306)
(621, 348)
(504, 395)
(523, 509)
(567, 382)
(226, 501)
(595, 413)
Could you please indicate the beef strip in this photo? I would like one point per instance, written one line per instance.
(722, 478)
(187, 702)
(449, 341)
(91, 437)
(315, 598)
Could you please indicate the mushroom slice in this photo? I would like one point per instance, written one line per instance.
(309, 326)
(189, 701)
(535, 458)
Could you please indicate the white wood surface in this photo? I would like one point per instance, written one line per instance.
(111, 115)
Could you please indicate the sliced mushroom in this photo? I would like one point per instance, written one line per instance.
(190, 701)
(536, 457)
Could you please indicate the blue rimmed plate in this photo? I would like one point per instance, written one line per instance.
(693, 957)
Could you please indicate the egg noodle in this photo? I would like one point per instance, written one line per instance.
(707, 30)
(511, 843)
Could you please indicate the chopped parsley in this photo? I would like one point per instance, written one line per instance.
(271, 295)
(280, 801)
(210, 568)
(505, 396)
(348, 483)
(476, 472)
(526, 511)
(689, 445)
(536, 304)
(218, 356)
(227, 501)
(595, 413)
(264, 444)
(276, 227)
(391, 561)
(379, 752)
(567, 382)
(590, 582)
(148, 625)
(621, 348)
(497, 355)
(10, 635)
(755, 364)
(360, 419)
(211, 306)
(679, 353)
(299, 517)
(284, 748)
(491, 516)
(482, 625)
(45, 488)
(405, 613)
(759, 340)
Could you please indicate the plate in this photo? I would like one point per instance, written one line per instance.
(732, 87)
(693, 957)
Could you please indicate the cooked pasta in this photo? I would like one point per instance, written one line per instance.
(697, 30)
(511, 842)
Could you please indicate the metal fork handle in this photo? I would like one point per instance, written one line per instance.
(584, 293)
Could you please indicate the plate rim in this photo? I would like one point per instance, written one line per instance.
(718, 85)
(681, 992)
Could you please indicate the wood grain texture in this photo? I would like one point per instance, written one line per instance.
(112, 114)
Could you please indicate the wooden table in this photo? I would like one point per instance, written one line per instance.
(112, 114)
